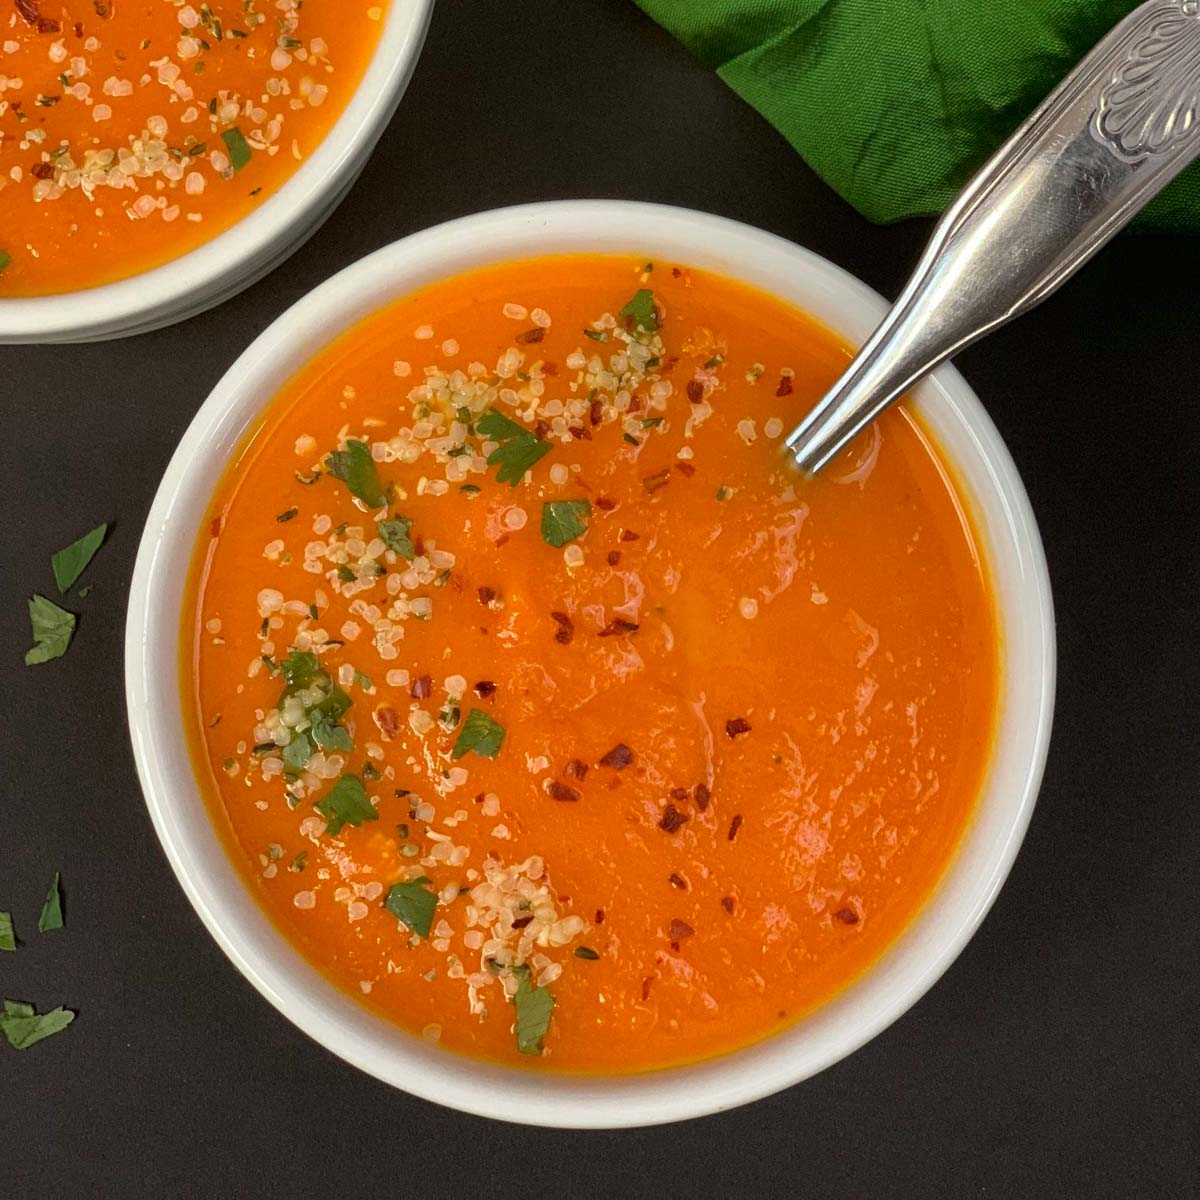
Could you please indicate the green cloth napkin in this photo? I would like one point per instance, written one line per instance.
(895, 103)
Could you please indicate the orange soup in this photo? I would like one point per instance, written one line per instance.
(131, 131)
(546, 709)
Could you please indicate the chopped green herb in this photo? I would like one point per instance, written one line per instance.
(70, 563)
(651, 422)
(299, 862)
(308, 480)
(722, 492)
(346, 804)
(363, 681)
(355, 467)
(628, 437)
(469, 489)
(287, 516)
(313, 611)
(346, 574)
(715, 361)
(480, 734)
(534, 1006)
(300, 669)
(640, 313)
(239, 149)
(518, 450)
(269, 663)
(23, 1027)
(595, 335)
(413, 904)
(52, 915)
(586, 952)
(8, 937)
(297, 752)
(402, 830)
(395, 536)
(52, 630)
(5, 260)
(371, 771)
(562, 520)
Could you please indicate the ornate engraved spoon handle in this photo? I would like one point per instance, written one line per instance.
(1109, 138)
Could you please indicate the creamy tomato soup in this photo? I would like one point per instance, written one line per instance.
(545, 708)
(131, 131)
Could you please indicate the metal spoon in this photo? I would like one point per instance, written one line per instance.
(1122, 125)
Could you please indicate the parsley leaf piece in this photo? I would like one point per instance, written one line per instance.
(346, 804)
(518, 451)
(52, 629)
(640, 312)
(23, 1027)
(71, 562)
(395, 536)
(562, 520)
(479, 733)
(329, 735)
(297, 752)
(355, 467)
(534, 1006)
(586, 952)
(5, 260)
(238, 147)
(413, 904)
(8, 937)
(52, 915)
(300, 669)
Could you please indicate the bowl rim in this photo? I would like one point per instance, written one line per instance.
(239, 255)
(891, 985)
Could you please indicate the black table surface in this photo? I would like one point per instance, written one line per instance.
(1057, 1057)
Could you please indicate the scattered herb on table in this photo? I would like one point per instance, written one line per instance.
(563, 520)
(479, 733)
(355, 467)
(346, 804)
(52, 914)
(22, 1026)
(52, 630)
(413, 904)
(534, 1006)
(8, 936)
(71, 562)
(519, 448)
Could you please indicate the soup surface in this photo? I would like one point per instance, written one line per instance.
(131, 131)
(546, 709)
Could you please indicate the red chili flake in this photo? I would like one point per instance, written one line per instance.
(728, 904)
(659, 479)
(614, 557)
(619, 757)
(485, 688)
(672, 819)
(576, 769)
(77, 28)
(521, 922)
(561, 792)
(847, 916)
(604, 503)
(214, 528)
(596, 412)
(388, 720)
(419, 546)
(736, 725)
(502, 540)
(646, 987)
(42, 170)
(680, 930)
(530, 336)
(581, 433)
(550, 369)
(628, 535)
(702, 796)
(685, 469)
(785, 386)
(679, 793)
(540, 429)
(677, 881)
(618, 626)
(486, 595)
(566, 628)
(695, 391)
(422, 688)
(102, 8)
(599, 916)
(734, 826)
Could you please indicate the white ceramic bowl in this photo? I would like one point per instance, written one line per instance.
(908, 968)
(247, 251)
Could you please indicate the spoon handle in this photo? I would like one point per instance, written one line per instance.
(1108, 139)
